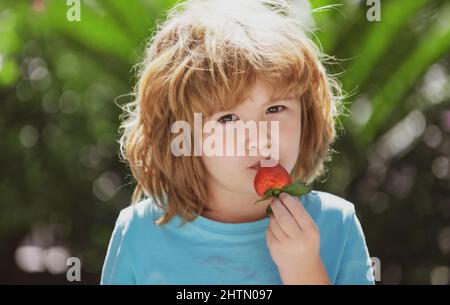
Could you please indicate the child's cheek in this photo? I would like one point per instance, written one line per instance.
(289, 139)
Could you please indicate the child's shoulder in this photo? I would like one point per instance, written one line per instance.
(329, 205)
(139, 214)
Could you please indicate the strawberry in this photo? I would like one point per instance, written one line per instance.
(272, 181)
(271, 177)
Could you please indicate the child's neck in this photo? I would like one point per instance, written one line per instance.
(230, 207)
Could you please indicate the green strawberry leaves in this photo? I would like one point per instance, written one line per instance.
(294, 189)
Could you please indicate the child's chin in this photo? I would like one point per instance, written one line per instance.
(251, 173)
(250, 190)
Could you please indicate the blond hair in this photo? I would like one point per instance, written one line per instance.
(204, 58)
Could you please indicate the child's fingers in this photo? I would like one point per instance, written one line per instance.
(297, 210)
(270, 237)
(293, 207)
(276, 229)
(285, 219)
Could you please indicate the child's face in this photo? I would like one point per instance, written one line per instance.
(233, 173)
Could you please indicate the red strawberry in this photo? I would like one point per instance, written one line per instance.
(272, 181)
(271, 178)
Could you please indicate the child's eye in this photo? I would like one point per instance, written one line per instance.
(275, 109)
(228, 118)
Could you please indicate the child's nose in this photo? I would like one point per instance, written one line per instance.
(259, 145)
(263, 151)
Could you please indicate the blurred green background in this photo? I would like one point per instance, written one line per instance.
(61, 84)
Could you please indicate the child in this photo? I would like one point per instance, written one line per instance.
(194, 220)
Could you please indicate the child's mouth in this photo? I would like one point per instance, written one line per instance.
(255, 166)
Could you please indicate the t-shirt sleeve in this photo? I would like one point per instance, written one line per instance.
(355, 266)
(117, 268)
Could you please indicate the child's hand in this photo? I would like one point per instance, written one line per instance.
(293, 240)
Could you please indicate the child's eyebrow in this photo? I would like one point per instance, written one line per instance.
(289, 99)
(281, 99)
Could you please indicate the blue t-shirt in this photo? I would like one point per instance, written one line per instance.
(205, 251)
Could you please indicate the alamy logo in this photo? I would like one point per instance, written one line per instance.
(73, 273)
(374, 272)
(227, 139)
(374, 11)
(74, 10)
